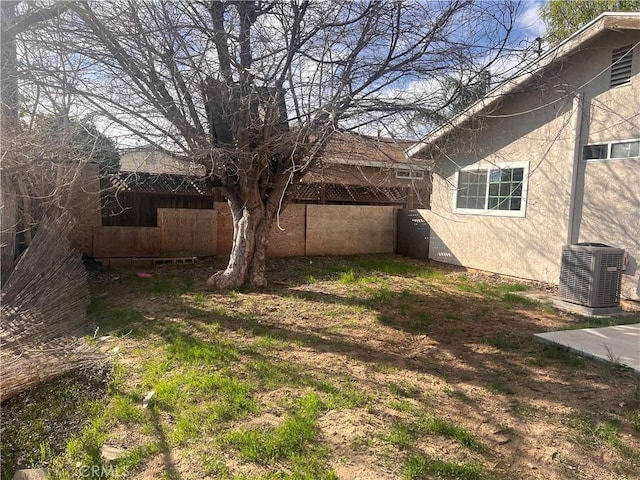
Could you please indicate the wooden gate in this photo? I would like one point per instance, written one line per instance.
(412, 234)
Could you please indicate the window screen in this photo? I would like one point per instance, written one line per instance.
(625, 150)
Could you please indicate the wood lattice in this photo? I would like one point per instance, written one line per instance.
(307, 192)
(351, 194)
(143, 182)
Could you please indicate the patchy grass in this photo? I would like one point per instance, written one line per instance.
(290, 438)
(505, 343)
(419, 467)
(375, 367)
(404, 434)
(401, 435)
(518, 300)
(399, 390)
(556, 352)
(600, 432)
(191, 350)
(115, 321)
(34, 422)
(500, 386)
(440, 426)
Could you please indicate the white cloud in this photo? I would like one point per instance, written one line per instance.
(530, 21)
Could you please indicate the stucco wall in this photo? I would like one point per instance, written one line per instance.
(611, 213)
(538, 126)
(610, 189)
(529, 246)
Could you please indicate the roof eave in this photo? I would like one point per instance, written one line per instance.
(605, 21)
(412, 165)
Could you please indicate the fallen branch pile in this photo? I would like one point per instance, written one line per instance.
(44, 304)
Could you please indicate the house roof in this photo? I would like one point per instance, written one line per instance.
(348, 148)
(491, 101)
(343, 148)
(149, 159)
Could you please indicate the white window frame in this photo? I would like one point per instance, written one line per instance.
(486, 211)
(609, 146)
(409, 174)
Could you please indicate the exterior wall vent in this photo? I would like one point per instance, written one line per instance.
(590, 274)
(621, 66)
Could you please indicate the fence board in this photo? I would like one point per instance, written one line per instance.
(308, 230)
(346, 229)
(187, 232)
(126, 242)
(287, 242)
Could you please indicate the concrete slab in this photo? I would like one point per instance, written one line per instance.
(617, 344)
(597, 312)
(607, 312)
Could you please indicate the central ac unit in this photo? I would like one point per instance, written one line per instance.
(590, 274)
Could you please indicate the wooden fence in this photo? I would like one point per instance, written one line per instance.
(301, 230)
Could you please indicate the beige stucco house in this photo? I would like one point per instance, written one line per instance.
(550, 158)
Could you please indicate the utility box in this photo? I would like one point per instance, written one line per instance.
(590, 275)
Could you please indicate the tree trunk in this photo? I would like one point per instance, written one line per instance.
(8, 222)
(9, 127)
(251, 227)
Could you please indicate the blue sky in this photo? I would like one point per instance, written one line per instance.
(529, 24)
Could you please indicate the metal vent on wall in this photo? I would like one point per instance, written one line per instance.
(621, 66)
(590, 274)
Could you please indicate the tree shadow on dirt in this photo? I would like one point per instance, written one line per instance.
(470, 342)
(472, 348)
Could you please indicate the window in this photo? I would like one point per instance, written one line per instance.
(625, 150)
(494, 190)
(613, 150)
(505, 189)
(595, 152)
(472, 189)
(404, 173)
(621, 66)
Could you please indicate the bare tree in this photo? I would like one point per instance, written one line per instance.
(45, 294)
(17, 18)
(44, 145)
(253, 89)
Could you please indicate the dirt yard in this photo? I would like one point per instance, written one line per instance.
(364, 368)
